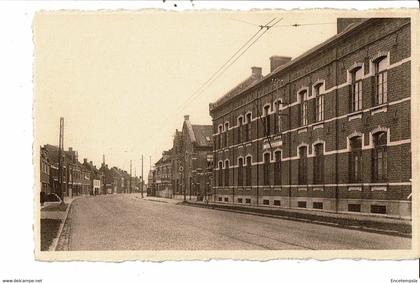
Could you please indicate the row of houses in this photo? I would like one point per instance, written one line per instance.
(329, 130)
(79, 178)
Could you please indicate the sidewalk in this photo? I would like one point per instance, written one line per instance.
(53, 217)
(385, 225)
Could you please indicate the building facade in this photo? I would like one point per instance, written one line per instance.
(197, 144)
(163, 179)
(328, 130)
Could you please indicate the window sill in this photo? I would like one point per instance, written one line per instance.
(379, 108)
(318, 125)
(302, 129)
(355, 114)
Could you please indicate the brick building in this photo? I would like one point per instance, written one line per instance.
(177, 160)
(197, 143)
(328, 130)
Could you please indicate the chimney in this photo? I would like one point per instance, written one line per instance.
(345, 23)
(277, 61)
(85, 160)
(186, 117)
(256, 72)
(91, 163)
(70, 149)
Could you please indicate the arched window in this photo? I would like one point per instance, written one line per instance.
(219, 138)
(303, 160)
(356, 89)
(239, 135)
(277, 168)
(248, 171)
(277, 123)
(319, 103)
(240, 172)
(267, 169)
(319, 164)
(381, 88)
(226, 173)
(355, 160)
(303, 108)
(248, 126)
(379, 162)
(225, 135)
(220, 181)
(267, 126)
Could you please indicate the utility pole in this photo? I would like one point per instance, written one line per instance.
(142, 180)
(60, 162)
(129, 190)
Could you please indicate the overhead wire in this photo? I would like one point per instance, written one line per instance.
(208, 81)
(229, 63)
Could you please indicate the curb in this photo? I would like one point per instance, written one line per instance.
(54, 244)
(331, 224)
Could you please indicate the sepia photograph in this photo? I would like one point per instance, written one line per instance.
(222, 134)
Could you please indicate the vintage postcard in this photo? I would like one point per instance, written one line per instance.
(217, 134)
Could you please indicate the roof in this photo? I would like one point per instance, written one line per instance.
(203, 134)
(52, 151)
(294, 61)
(237, 89)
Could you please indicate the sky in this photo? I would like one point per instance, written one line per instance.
(122, 80)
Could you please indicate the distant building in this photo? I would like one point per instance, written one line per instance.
(163, 179)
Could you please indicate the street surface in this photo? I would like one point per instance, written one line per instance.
(126, 222)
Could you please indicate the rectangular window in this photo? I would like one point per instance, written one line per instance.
(381, 87)
(355, 160)
(267, 169)
(248, 127)
(248, 171)
(266, 202)
(380, 209)
(354, 207)
(319, 164)
(248, 200)
(226, 173)
(239, 129)
(220, 175)
(239, 200)
(226, 199)
(302, 204)
(319, 104)
(318, 205)
(277, 168)
(356, 90)
(277, 202)
(380, 160)
(303, 109)
(220, 198)
(225, 135)
(302, 174)
(240, 172)
(267, 126)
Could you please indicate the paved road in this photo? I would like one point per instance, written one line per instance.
(125, 222)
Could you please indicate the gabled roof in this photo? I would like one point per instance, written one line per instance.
(237, 89)
(203, 135)
(200, 135)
